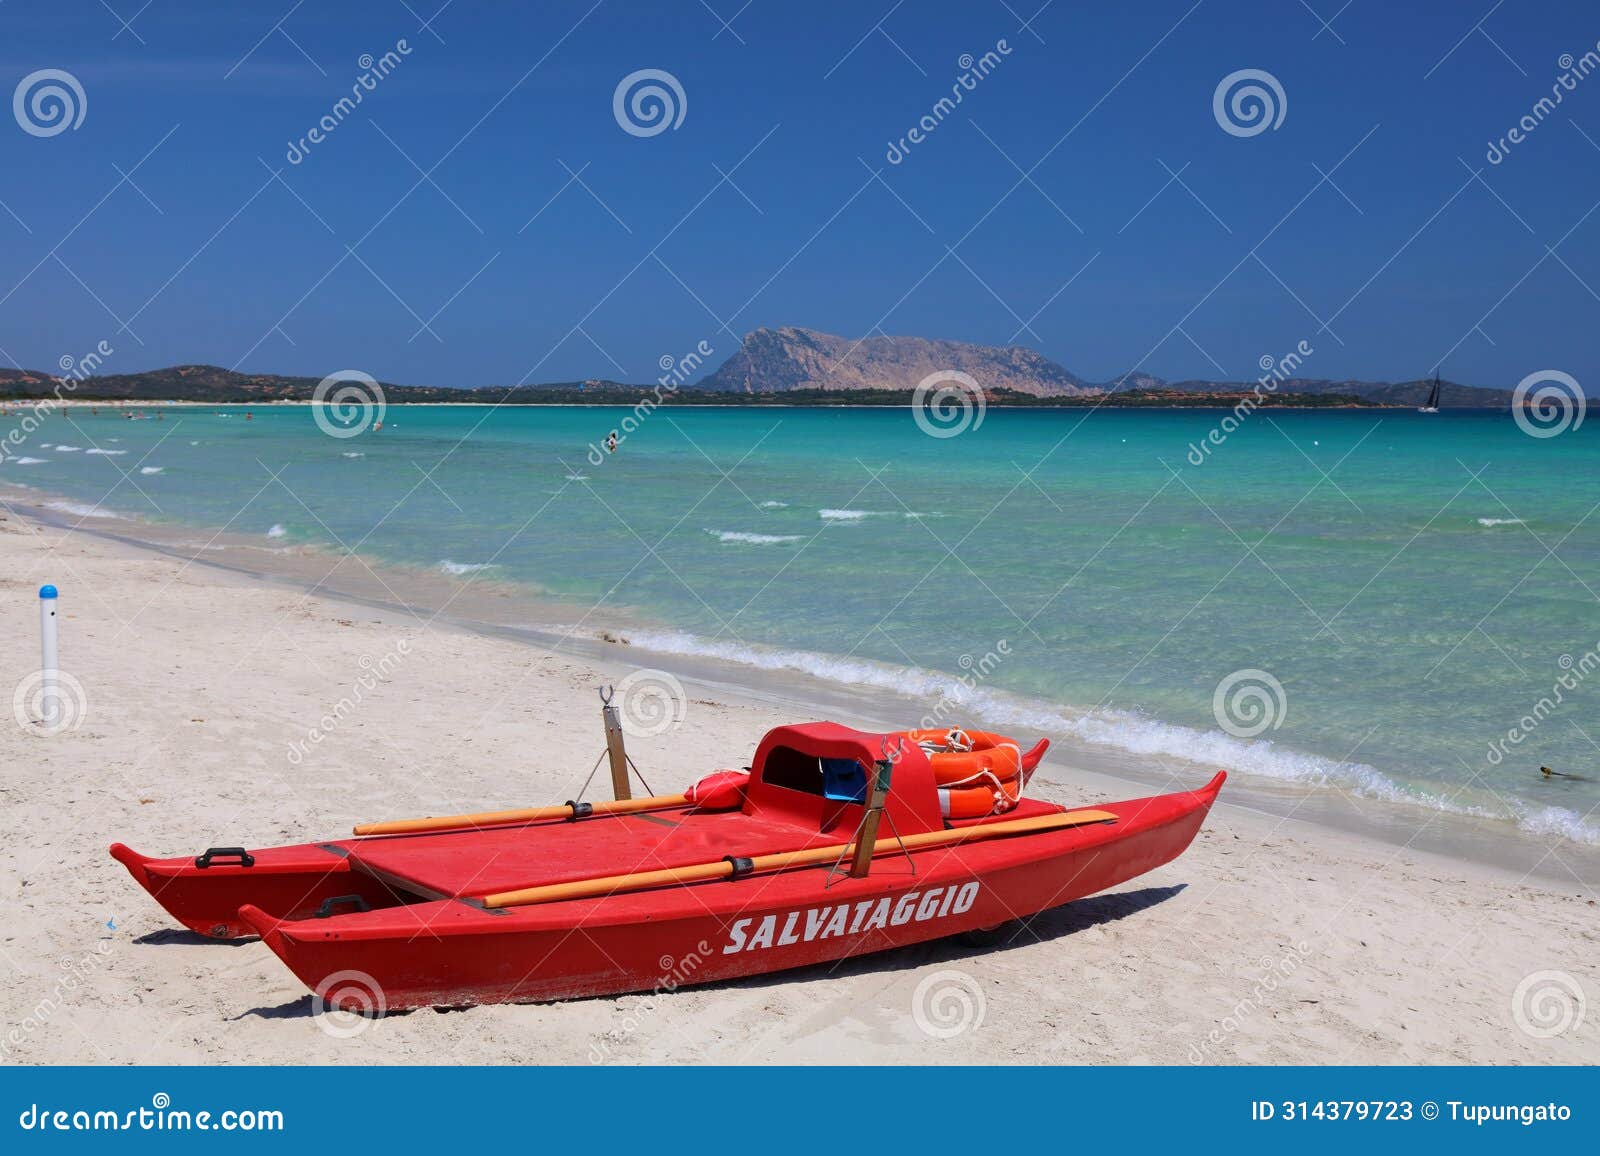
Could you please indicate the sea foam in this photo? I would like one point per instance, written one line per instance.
(753, 539)
(82, 510)
(861, 515)
(1129, 731)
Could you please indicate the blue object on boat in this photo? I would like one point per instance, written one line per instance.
(47, 592)
(844, 781)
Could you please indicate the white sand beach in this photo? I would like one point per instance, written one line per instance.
(1270, 941)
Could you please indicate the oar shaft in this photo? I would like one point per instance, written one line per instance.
(784, 860)
(526, 815)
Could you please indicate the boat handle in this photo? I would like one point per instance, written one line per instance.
(328, 905)
(213, 853)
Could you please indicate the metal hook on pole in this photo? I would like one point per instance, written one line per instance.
(615, 750)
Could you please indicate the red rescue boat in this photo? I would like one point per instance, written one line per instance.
(741, 876)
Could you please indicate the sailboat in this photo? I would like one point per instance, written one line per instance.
(1432, 405)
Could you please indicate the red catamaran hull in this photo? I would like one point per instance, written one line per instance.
(423, 944)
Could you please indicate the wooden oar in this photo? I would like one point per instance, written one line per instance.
(723, 868)
(527, 815)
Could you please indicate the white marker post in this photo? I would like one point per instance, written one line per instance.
(49, 660)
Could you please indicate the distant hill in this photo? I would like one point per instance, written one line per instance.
(776, 360)
(787, 365)
(787, 359)
(210, 383)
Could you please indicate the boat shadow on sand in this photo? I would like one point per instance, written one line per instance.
(178, 937)
(1053, 923)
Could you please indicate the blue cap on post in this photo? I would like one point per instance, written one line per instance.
(47, 592)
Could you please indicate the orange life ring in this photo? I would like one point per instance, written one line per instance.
(962, 767)
(973, 804)
(992, 797)
(960, 739)
(985, 740)
(977, 773)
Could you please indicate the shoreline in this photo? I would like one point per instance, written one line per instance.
(515, 612)
(24, 402)
(1268, 941)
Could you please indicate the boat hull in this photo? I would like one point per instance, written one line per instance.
(288, 882)
(453, 951)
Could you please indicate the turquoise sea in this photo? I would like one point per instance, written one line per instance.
(1396, 605)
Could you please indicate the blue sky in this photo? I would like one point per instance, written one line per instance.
(1083, 199)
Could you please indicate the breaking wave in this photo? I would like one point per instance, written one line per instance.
(860, 515)
(753, 539)
(1131, 732)
(82, 510)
